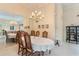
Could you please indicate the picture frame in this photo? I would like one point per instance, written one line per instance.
(28, 27)
(39, 26)
(47, 26)
(42, 26)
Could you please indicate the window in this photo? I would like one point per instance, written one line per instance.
(11, 27)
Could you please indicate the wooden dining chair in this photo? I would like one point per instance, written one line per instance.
(6, 34)
(18, 33)
(22, 44)
(29, 50)
(37, 33)
(28, 46)
(32, 33)
(45, 34)
(18, 41)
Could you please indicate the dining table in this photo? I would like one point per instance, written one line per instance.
(12, 35)
(42, 44)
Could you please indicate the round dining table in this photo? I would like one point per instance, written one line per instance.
(41, 44)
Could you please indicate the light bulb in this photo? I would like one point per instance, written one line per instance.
(33, 14)
(39, 13)
(36, 11)
(40, 17)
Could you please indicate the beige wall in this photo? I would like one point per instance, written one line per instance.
(25, 10)
(49, 12)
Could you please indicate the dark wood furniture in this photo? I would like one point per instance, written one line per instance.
(18, 41)
(18, 34)
(22, 44)
(72, 34)
(37, 33)
(45, 34)
(29, 50)
(25, 46)
(57, 43)
(6, 34)
(32, 33)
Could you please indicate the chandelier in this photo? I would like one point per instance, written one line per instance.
(36, 16)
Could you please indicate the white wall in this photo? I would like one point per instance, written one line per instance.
(59, 22)
(70, 15)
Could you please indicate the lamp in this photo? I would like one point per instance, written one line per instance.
(36, 16)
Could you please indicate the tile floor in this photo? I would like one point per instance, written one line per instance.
(66, 49)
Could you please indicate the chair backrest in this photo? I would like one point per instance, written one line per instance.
(6, 34)
(25, 41)
(28, 42)
(37, 33)
(21, 39)
(32, 33)
(45, 34)
(18, 36)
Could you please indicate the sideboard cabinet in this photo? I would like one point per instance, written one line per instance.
(72, 33)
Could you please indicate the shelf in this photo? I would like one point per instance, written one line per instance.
(72, 33)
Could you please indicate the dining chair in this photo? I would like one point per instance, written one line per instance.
(22, 44)
(6, 34)
(30, 50)
(18, 41)
(45, 34)
(37, 33)
(57, 43)
(32, 33)
(25, 45)
(18, 33)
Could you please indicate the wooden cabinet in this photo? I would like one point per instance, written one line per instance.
(72, 33)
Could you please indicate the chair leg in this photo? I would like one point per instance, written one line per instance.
(21, 51)
(26, 52)
(37, 53)
(57, 43)
(42, 53)
(49, 51)
(18, 50)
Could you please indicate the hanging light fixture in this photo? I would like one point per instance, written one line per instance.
(36, 16)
